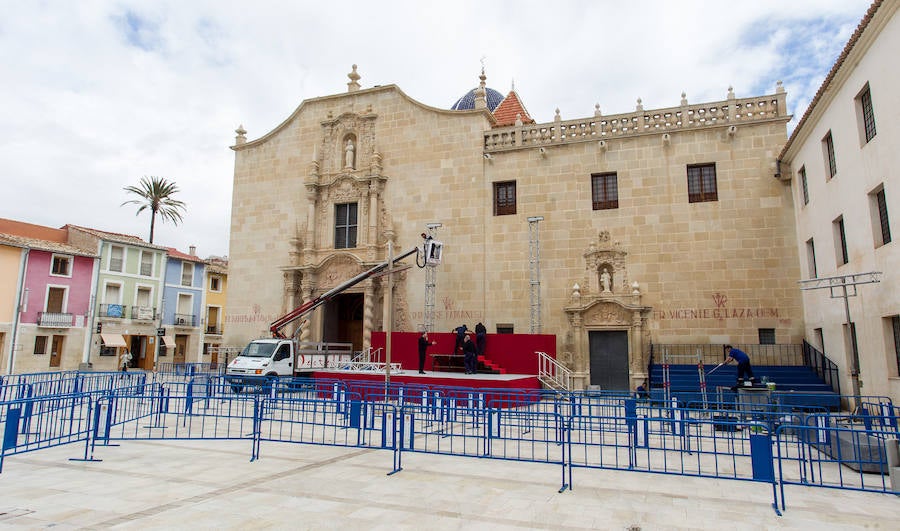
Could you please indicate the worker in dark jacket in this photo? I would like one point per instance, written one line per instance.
(424, 343)
(460, 337)
(480, 339)
(471, 359)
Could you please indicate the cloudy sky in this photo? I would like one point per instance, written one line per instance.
(97, 94)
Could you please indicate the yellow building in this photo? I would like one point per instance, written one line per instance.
(613, 232)
(215, 296)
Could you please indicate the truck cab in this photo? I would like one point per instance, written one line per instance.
(261, 359)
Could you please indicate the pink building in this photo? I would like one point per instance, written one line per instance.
(55, 284)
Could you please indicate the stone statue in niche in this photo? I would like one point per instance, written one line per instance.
(605, 280)
(349, 155)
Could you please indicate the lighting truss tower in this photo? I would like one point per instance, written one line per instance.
(838, 289)
(534, 263)
(430, 282)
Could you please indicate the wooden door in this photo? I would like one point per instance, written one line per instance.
(56, 346)
(180, 348)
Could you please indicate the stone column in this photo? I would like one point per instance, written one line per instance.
(580, 362)
(638, 369)
(374, 192)
(306, 289)
(311, 196)
(368, 314)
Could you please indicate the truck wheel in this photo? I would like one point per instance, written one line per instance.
(236, 388)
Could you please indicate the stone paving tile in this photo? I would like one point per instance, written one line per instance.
(213, 485)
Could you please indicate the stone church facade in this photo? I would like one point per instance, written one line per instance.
(660, 226)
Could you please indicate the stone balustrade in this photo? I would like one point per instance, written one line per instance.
(732, 111)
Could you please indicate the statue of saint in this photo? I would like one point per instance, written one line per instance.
(349, 155)
(605, 279)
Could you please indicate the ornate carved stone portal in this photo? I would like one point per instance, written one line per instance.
(345, 169)
(604, 301)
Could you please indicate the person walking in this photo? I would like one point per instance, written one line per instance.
(470, 359)
(424, 343)
(743, 363)
(125, 360)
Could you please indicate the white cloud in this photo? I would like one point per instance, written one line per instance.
(98, 94)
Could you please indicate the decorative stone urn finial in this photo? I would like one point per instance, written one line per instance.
(353, 85)
(241, 137)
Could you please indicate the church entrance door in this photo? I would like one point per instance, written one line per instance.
(609, 359)
(344, 320)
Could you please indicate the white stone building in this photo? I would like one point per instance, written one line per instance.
(842, 162)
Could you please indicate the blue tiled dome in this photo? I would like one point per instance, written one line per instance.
(467, 102)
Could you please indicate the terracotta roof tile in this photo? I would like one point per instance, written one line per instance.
(30, 230)
(506, 112)
(175, 253)
(116, 237)
(15, 240)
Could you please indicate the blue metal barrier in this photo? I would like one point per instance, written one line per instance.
(769, 443)
(36, 423)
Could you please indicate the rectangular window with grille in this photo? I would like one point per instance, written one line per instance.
(116, 258)
(811, 258)
(146, 263)
(895, 329)
(504, 198)
(766, 336)
(604, 191)
(345, 225)
(702, 184)
(840, 241)
(883, 222)
(804, 189)
(40, 344)
(187, 273)
(828, 148)
(866, 113)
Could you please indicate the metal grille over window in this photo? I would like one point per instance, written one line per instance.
(702, 183)
(865, 100)
(504, 198)
(605, 191)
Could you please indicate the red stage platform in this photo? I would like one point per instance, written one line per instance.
(433, 380)
(509, 365)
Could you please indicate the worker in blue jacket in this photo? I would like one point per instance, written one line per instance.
(743, 363)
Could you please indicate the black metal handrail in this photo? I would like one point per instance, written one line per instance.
(711, 353)
(824, 367)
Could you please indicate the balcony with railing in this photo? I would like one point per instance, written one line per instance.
(143, 313)
(55, 319)
(215, 330)
(184, 319)
(114, 311)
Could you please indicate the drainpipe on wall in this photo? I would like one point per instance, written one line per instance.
(20, 291)
(91, 319)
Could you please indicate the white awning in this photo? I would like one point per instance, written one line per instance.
(113, 340)
(169, 341)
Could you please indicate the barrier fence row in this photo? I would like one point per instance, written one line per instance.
(570, 431)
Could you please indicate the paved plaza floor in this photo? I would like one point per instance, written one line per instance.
(213, 485)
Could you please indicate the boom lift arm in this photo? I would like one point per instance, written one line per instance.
(307, 307)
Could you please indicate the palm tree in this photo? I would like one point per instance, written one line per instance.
(156, 194)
